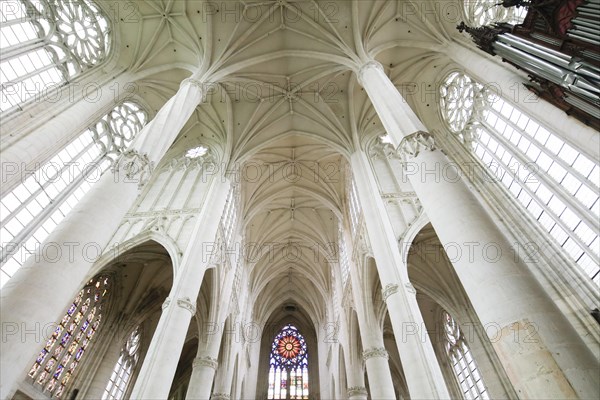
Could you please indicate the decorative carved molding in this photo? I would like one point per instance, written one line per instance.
(399, 195)
(166, 303)
(185, 302)
(410, 288)
(357, 391)
(366, 66)
(415, 143)
(389, 290)
(375, 352)
(160, 213)
(361, 241)
(136, 166)
(380, 150)
(205, 362)
(220, 396)
(484, 36)
(218, 256)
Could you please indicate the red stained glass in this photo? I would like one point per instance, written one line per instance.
(288, 347)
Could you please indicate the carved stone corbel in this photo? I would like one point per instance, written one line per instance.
(136, 167)
(415, 143)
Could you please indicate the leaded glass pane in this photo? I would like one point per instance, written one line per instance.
(34, 208)
(117, 384)
(45, 44)
(486, 12)
(463, 364)
(555, 183)
(65, 348)
(288, 365)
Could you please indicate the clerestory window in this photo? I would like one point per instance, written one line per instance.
(34, 208)
(555, 182)
(44, 44)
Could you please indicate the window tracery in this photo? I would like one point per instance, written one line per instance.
(462, 362)
(486, 12)
(35, 207)
(47, 43)
(555, 183)
(56, 363)
(119, 379)
(288, 365)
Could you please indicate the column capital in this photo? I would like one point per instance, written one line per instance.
(375, 352)
(372, 64)
(357, 391)
(415, 143)
(205, 361)
(220, 396)
(136, 166)
(166, 303)
(185, 302)
(389, 290)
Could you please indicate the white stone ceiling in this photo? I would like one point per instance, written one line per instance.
(284, 92)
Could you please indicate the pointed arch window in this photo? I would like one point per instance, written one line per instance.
(46, 43)
(57, 362)
(555, 183)
(288, 365)
(462, 362)
(119, 380)
(35, 207)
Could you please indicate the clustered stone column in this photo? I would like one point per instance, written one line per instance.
(203, 371)
(504, 293)
(527, 326)
(375, 356)
(46, 283)
(378, 370)
(160, 364)
(423, 374)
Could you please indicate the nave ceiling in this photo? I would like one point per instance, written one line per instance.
(283, 99)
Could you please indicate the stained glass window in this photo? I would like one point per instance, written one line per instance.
(462, 362)
(288, 365)
(35, 207)
(553, 181)
(117, 385)
(46, 43)
(55, 365)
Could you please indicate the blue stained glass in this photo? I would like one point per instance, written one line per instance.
(65, 338)
(42, 355)
(68, 343)
(288, 348)
(57, 331)
(288, 365)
